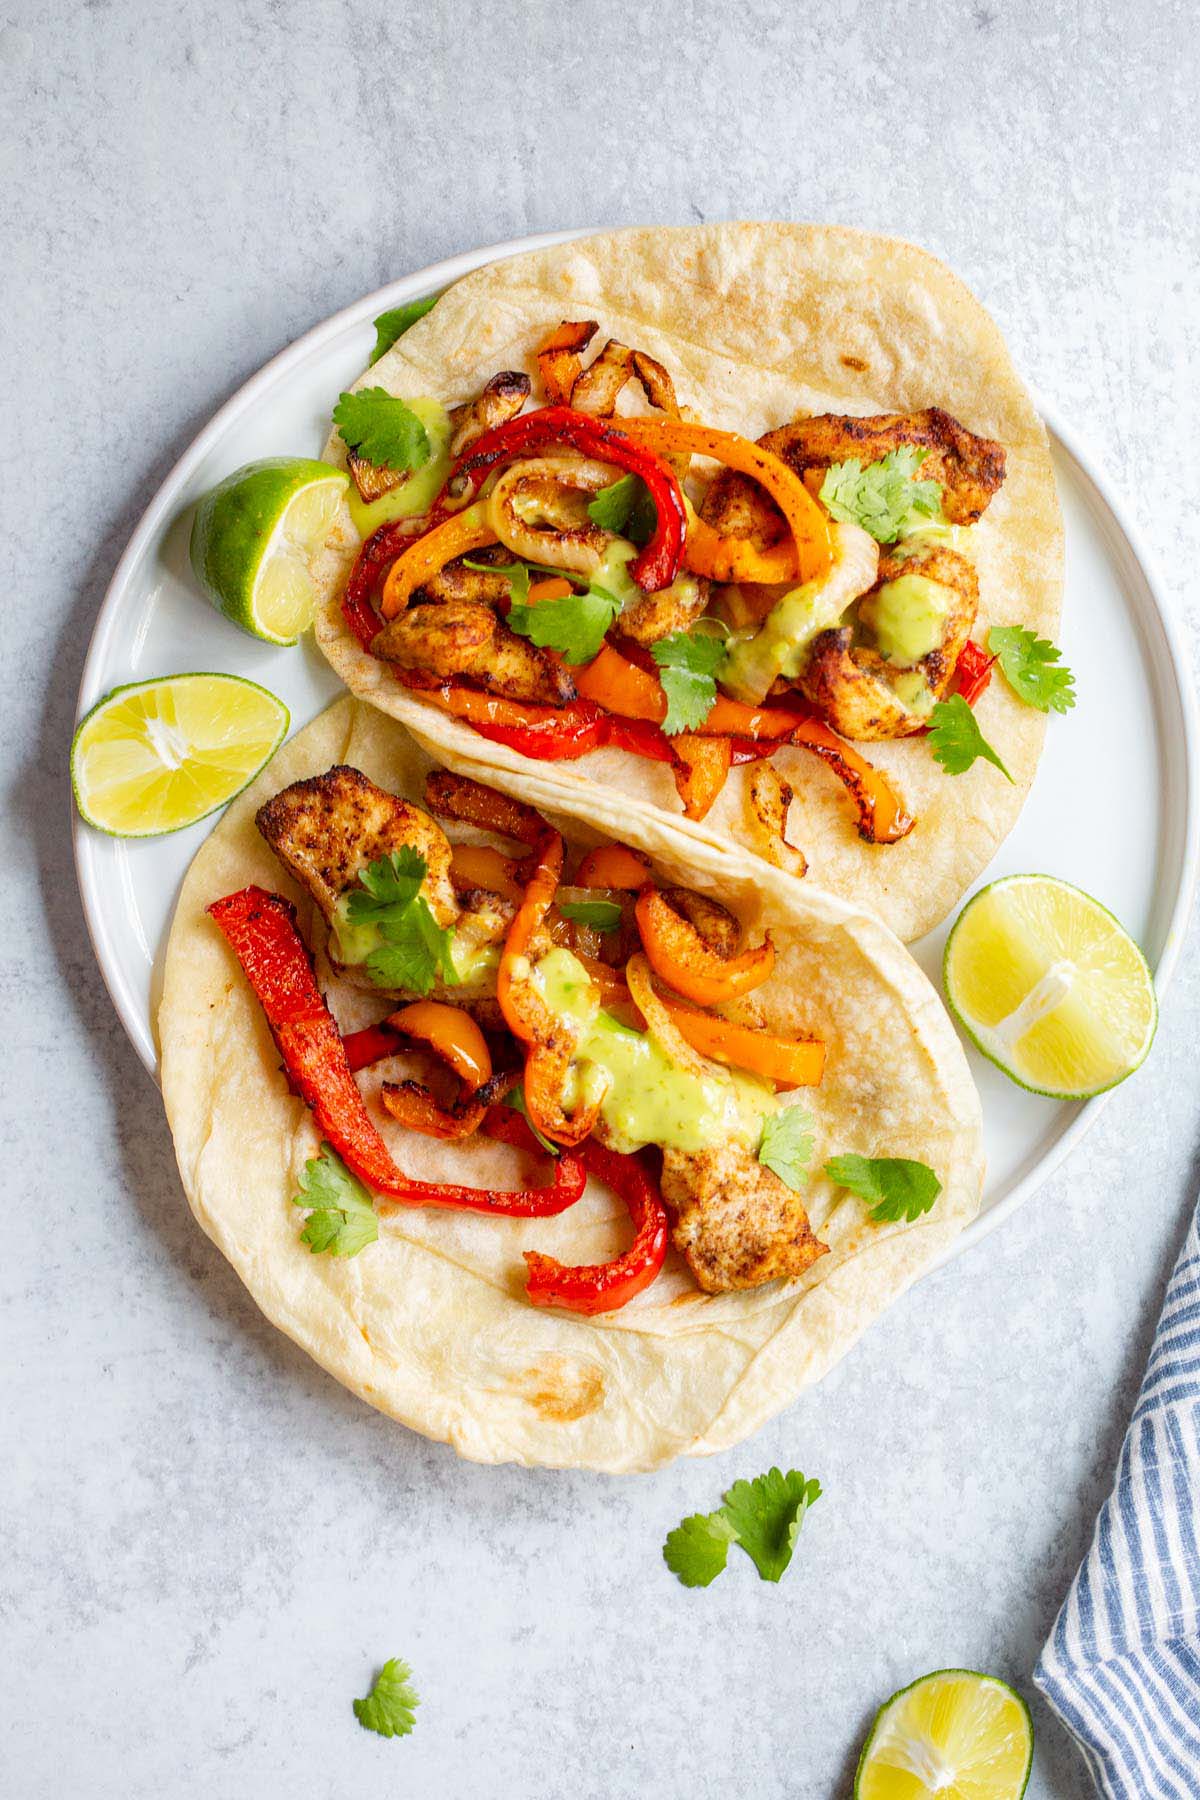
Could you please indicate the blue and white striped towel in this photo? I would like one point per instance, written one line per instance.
(1122, 1665)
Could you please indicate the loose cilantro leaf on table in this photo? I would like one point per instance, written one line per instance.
(382, 430)
(688, 662)
(767, 1514)
(601, 915)
(956, 740)
(1033, 668)
(389, 1707)
(625, 506)
(575, 626)
(415, 948)
(342, 1216)
(697, 1549)
(883, 497)
(763, 1516)
(392, 325)
(897, 1187)
(787, 1145)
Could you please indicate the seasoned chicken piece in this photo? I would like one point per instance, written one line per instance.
(500, 401)
(463, 637)
(455, 581)
(862, 695)
(735, 1223)
(969, 469)
(674, 608)
(327, 829)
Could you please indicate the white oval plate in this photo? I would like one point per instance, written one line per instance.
(1113, 808)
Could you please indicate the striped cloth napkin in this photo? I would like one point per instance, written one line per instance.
(1122, 1665)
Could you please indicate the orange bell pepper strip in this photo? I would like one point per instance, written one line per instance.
(482, 866)
(260, 929)
(451, 1034)
(555, 587)
(455, 536)
(548, 1047)
(788, 1062)
(680, 957)
(705, 551)
(700, 774)
(613, 866)
(620, 686)
(560, 358)
(592, 1288)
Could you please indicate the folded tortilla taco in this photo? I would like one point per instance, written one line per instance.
(562, 1149)
(719, 519)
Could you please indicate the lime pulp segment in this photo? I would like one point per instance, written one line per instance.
(954, 1734)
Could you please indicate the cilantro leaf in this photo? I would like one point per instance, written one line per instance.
(956, 740)
(787, 1145)
(897, 1187)
(515, 573)
(388, 1708)
(688, 661)
(392, 325)
(625, 506)
(601, 915)
(696, 1550)
(342, 1217)
(767, 1514)
(883, 497)
(382, 430)
(1029, 665)
(575, 626)
(391, 882)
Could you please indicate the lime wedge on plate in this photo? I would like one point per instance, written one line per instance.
(253, 539)
(954, 1734)
(1050, 987)
(158, 755)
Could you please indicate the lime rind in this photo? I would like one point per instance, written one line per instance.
(894, 1700)
(989, 1050)
(246, 552)
(132, 687)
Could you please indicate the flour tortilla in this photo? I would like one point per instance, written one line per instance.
(759, 324)
(429, 1323)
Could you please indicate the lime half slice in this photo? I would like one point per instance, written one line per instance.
(1050, 987)
(254, 538)
(954, 1734)
(158, 755)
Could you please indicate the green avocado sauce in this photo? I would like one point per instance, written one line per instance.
(779, 645)
(649, 1099)
(415, 495)
(907, 617)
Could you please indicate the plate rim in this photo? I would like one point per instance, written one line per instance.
(433, 278)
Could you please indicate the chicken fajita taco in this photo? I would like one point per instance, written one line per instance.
(730, 521)
(562, 1147)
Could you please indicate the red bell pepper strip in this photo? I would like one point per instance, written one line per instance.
(603, 1287)
(658, 564)
(545, 733)
(381, 548)
(973, 671)
(370, 1045)
(261, 931)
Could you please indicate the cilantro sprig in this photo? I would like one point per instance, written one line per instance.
(382, 430)
(392, 325)
(1033, 668)
(341, 1212)
(415, 950)
(688, 662)
(601, 915)
(787, 1145)
(625, 507)
(884, 497)
(575, 626)
(389, 1708)
(956, 740)
(896, 1187)
(762, 1516)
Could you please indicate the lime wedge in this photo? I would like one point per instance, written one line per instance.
(954, 1734)
(1050, 987)
(158, 755)
(254, 537)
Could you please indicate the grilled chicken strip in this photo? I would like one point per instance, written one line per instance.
(855, 689)
(674, 608)
(325, 830)
(464, 637)
(735, 1224)
(970, 469)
